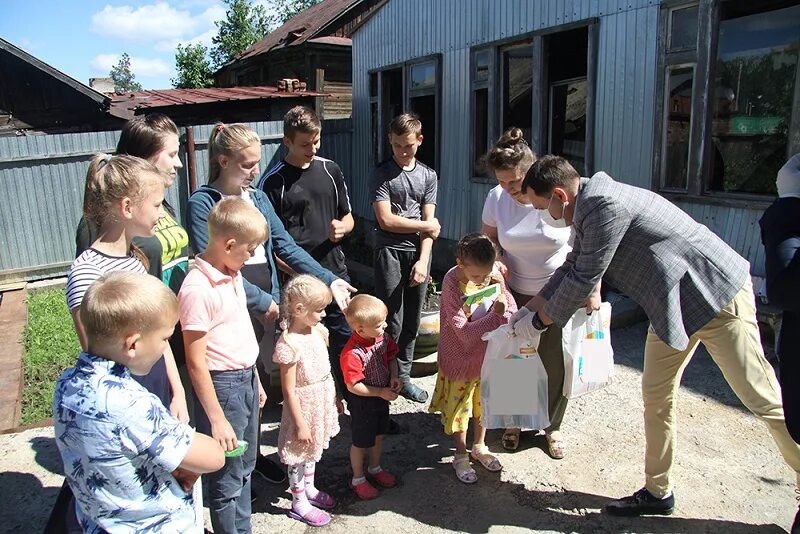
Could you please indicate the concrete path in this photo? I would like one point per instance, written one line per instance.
(13, 316)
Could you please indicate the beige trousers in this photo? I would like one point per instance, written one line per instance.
(733, 340)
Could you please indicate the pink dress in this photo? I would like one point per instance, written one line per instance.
(317, 396)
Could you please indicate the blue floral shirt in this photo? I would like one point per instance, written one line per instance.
(119, 446)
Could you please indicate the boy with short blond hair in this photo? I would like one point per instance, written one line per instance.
(122, 449)
(309, 195)
(369, 366)
(221, 352)
(403, 195)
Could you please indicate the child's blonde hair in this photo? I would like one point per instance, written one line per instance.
(121, 303)
(235, 218)
(365, 310)
(225, 140)
(111, 179)
(304, 289)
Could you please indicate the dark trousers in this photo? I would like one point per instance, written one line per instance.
(552, 353)
(338, 334)
(392, 272)
(229, 488)
(788, 345)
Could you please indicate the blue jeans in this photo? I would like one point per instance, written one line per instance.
(229, 488)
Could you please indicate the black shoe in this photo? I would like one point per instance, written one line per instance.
(394, 427)
(271, 471)
(641, 503)
(414, 393)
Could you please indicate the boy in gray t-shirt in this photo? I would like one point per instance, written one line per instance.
(403, 195)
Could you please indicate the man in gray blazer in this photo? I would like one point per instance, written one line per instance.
(693, 287)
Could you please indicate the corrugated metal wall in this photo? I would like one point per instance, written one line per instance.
(625, 99)
(42, 180)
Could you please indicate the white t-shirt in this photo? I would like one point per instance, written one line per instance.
(533, 250)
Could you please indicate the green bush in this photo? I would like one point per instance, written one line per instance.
(51, 345)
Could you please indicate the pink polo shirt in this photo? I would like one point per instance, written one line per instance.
(214, 303)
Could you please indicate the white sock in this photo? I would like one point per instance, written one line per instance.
(359, 480)
(311, 490)
(374, 470)
(297, 484)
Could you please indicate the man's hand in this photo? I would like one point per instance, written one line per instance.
(517, 316)
(388, 394)
(434, 228)
(341, 293)
(178, 407)
(525, 328)
(185, 478)
(262, 395)
(272, 312)
(594, 300)
(419, 273)
(336, 231)
(222, 431)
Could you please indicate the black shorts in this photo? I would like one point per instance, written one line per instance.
(369, 417)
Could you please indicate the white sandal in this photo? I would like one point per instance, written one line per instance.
(464, 470)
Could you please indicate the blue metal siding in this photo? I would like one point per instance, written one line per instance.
(42, 180)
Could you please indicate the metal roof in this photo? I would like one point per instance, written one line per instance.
(302, 27)
(181, 97)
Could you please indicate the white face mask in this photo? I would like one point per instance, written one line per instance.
(549, 219)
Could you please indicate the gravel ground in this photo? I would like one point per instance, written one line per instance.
(729, 477)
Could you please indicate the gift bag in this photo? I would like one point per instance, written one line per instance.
(513, 382)
(588, 356)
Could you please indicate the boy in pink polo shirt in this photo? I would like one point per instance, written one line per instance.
(221, 350)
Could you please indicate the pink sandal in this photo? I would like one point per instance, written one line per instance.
(314, 517)
(323, 501)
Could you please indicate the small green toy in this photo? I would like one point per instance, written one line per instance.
(238, 451)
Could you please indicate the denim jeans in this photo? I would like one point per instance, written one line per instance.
(229, 488)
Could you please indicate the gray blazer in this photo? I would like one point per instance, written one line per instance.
(679, 271)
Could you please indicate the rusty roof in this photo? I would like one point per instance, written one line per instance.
(158, 98)
(303, 27)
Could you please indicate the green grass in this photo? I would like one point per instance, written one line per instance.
(51, 345)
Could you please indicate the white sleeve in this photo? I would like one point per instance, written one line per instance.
(489, 216)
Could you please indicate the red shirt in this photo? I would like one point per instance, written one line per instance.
(362, 361)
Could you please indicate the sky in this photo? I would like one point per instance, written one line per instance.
(84, 38)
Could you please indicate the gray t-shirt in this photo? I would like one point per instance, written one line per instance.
(406, 192)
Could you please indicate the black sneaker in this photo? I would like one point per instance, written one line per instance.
(641, 503)
(414, 393)
(271, 471)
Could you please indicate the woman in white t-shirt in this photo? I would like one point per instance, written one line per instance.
(531, 251)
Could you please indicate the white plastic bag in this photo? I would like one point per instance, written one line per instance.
(588, 356)
(513, 382)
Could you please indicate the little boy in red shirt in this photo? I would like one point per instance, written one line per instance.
(369, 366)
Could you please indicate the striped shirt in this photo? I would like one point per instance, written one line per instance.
(91, 265)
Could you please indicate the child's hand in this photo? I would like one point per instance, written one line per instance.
(178, 408)
(500, 304)
(185, 478)
(303, 432)
(395, 385)
(222, 431)
(339, 406)
(388, 394)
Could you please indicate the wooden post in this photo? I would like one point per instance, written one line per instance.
(319, 86)
(191, 167)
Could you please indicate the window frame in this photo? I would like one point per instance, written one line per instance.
(704, 57)
(408, 94)
(540, 102)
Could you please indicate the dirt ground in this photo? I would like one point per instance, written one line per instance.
(729, 477)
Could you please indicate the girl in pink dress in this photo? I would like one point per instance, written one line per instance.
(309, 418)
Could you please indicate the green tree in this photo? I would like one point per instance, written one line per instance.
(194, 68)
(283, 10)
(244, 24)
(124, 80)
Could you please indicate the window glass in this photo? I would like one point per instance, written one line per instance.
(481, 126)
(678, 115)
(423, 75)
(683, 28)
(517, 89)
(568, 122)
(375, 134)
(754, 97)
(481, 65)
(373, 84)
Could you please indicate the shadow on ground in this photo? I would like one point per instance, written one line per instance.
(22, 495)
